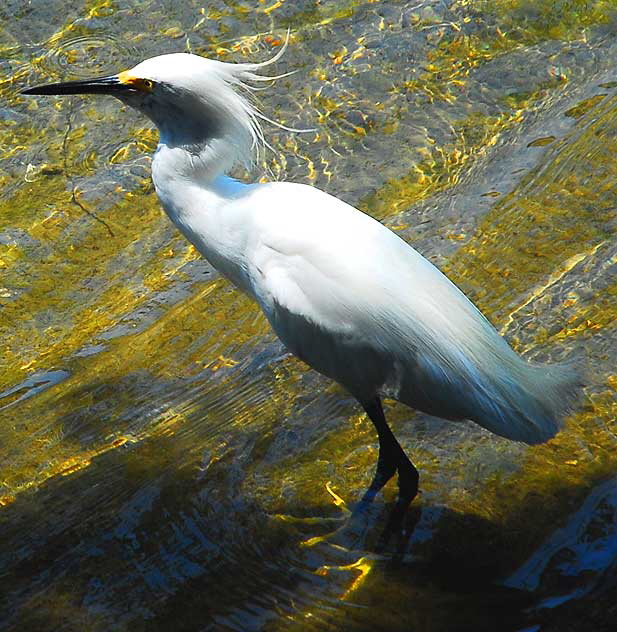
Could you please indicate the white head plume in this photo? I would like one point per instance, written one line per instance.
(196, 100)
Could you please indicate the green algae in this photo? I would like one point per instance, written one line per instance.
(442, 167)
(584, 106)
(321, 14)
(501, 27)
(504, 26)
(179, 333)
(561, 214)
(96, 423)
(72, 262)
(445, 78)
(530, 21)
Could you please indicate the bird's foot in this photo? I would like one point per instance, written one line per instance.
(395, 536)
(351, 534)
(355, 533)
(361, 531)
(326, 525)
(357, 529)
(308, 522)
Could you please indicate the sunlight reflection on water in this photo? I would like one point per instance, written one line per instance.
(163, 458)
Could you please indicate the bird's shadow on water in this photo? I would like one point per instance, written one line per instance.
(151, 535)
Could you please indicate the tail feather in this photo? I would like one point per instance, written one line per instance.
(528, 402)
(497, 389)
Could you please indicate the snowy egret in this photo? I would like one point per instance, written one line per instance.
(344, 293)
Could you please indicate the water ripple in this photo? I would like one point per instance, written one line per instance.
(87, 55)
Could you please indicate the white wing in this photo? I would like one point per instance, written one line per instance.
(358, 304)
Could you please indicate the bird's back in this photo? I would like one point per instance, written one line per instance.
(361, 306)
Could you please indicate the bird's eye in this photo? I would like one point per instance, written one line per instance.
(148, 84)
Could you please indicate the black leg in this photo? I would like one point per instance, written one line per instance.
(391, 458)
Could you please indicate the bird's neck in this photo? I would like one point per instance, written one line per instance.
(192, 179)
(196, 163)
(202, 202)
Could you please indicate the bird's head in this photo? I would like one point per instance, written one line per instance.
(191, 99)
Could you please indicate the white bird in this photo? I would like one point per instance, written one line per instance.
(343, 293)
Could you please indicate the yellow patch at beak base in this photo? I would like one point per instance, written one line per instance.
(143, 85)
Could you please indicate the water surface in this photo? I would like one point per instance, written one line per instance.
(165, 464)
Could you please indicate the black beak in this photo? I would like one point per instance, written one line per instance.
(104, 85)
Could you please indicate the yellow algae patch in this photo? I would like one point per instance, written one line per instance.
(542, 230)
(599, 313)
(452, 61)
(509, 24)
(220, 362)
(562, 270)
(166, 350)
(146, 139)
(6, 500)
(584, 106)
(364, 566)
(338, 501)
(73, 264)
(273, 6)
(65, 467)
(530, 21)
(321, 13)
(442, 167)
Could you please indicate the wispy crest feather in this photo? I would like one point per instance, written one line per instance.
(198, 96)
(240, 76)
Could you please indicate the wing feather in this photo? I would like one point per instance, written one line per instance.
(360, 305)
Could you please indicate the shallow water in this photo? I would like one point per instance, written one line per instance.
(165, 464)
